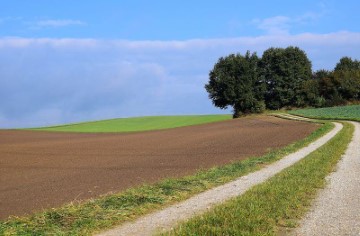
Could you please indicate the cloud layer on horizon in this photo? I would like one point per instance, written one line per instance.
(48, 81)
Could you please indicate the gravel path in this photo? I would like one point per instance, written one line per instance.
(336, 211)
(292, 117)
(167, 218)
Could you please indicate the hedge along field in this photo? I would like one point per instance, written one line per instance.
(136, 124)
(341, 112)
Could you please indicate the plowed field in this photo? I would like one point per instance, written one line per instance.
(47, 169)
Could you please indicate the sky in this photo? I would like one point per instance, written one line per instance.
(71, 61)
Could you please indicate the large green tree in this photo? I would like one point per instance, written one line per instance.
(234, 81)
(285, 71)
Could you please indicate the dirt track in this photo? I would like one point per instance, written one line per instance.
(45, 169)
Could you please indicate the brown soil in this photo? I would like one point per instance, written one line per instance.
(47, 169)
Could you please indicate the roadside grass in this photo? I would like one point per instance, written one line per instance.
(330, 113)
(275, 206)
(136, 123)
(88, 217)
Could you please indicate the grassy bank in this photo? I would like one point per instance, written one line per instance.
(91, 216)
(137, 123)
(341, 113)
(277, 204)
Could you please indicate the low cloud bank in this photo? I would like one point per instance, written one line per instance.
(51, 81)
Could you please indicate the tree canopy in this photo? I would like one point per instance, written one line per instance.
(281, 78)
(347, 64)
(285, 71)
(235, 81)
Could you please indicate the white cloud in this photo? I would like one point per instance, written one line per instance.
(47, 81)
(57, 23)
(308, 17)
(281, 25)
(18, 42)
(8, 18)
(277, 25)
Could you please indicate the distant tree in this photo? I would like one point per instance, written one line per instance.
(347, 64)
(329, 90)
(347, 73)
(284, 72)
(234, 81)
(311, 91)
(319, 74)
(349, 84)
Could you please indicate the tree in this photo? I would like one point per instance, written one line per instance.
(311, 90)
(314, 95)
(334, 87)
(347, 72)
(326, 87)
(347, 64)
(349, 81)
(234, 81)
(319, 74)
(329, 90)
(284, 72)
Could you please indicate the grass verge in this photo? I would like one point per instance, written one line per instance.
(277, 204)
(136, 124)
(88, 217)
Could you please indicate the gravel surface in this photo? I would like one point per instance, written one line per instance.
(336, 211)
(167, 218)
(292, 117)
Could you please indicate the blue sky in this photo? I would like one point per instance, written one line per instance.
(69, 61)
(173, 20)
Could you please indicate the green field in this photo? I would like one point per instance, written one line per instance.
(136, 124)
(342, 113)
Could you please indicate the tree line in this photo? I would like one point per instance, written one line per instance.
(281, 78)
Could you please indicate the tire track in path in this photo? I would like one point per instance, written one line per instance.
(167, 218)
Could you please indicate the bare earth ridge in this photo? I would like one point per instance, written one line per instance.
(47, 169)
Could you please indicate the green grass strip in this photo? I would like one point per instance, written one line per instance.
(136, 124)
(102, 213)
(277, 204)
(331, 113)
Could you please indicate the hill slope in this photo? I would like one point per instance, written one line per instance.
(137, 123)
